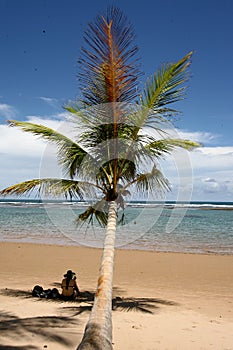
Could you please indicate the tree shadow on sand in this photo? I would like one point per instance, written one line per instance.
(145, 305)
(12, 347)
(85, 301)
(46, 327)
(16, 293)
(19, 293)
(14, 327)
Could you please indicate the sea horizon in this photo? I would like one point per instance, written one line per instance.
(40, 200)
(166, 226)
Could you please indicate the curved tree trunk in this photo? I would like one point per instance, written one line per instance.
(98, 331)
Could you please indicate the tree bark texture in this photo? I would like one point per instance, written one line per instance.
(98, 331)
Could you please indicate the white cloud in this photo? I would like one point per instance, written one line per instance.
(53, 102)
(6, 111)
(212, 186)
(198, 136)
(203, 173)
(209, 180)
(208, 169)
(216, 151)
(212, 158)
(14, 142)
(24, 156)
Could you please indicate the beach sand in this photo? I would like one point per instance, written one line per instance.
(162, 300)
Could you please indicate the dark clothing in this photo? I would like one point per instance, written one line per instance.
(69, 288)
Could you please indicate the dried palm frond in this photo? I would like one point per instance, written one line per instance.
(109, 69)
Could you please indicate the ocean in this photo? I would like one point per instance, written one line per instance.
(194, 227)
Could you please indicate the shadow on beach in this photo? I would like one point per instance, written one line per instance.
(145, 305)
(47, 327)
(14, 327)
(85, 301)
(24, 347)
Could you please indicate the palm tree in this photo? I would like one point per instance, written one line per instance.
(112, 150)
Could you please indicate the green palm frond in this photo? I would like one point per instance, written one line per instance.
(161, 147)
(126, 168)
(153, 181)
(164, 88)
(98, 134)
(122, 192)
(97, 212)
(70, 154)
(53, 187)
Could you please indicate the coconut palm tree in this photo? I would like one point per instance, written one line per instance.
(112, 150)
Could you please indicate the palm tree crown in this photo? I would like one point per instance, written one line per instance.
(111, 152)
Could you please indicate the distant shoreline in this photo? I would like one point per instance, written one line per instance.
(206, 205)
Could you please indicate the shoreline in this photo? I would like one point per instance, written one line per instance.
(127, 247)
(186, 297)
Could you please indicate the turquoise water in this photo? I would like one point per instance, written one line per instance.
(178, 227)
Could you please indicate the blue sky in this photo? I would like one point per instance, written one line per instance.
(40, 44)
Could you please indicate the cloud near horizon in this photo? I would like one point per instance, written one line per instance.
(6, 111)
(202, 137)
(206, 171)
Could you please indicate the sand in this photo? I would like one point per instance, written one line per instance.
(162, 300)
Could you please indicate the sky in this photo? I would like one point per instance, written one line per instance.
(40, 43)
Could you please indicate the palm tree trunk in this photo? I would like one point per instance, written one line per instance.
(98, 331)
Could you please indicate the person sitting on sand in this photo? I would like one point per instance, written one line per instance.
(69, 286)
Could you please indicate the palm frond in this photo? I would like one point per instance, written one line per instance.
(98, 134)
(126, 170)
(53, 187)
(108, 73)
(161, 147)
(153, 181)
(97, 212)
(70, 154)
(164, 88)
